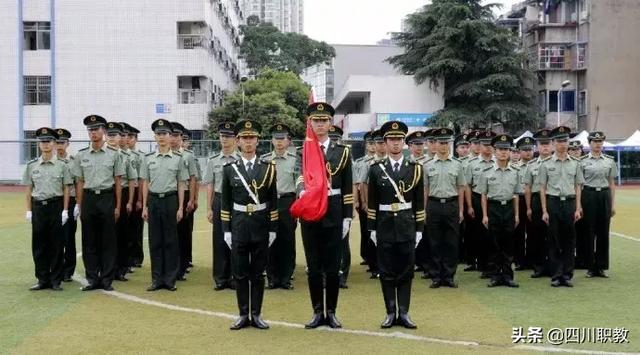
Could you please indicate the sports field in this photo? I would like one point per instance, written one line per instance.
(195, 319)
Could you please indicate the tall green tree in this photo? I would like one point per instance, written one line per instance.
(264, 46)
(273, 97)
(485, 79)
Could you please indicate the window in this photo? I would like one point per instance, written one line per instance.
(542, 100)
(581, 58)
(30, 146)
(582, 102)
(37, 35)
(552, 57)
(568, 103)
(37, 90)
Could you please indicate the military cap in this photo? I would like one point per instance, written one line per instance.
(63, 134)
(368, 137)
(94, 121)
(442, 134)
(46, 134)
(161, 125)
(429, 134)
(596, 136)
(416, 137)
(575, 144)
(133, 130)
(503, 141)
(114, 127)
(320, 110)
(247, 128)
(335, 132)
(560, 133)
(126, 128)
(543, 135)
(485, 137)
(525, 143)
(461, 139)
(176, 127)
(474, 136)
(186, 134)
(226, 128)
(377, 136)
(280, 131)
(394, 129)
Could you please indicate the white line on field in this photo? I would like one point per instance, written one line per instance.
(625, 236)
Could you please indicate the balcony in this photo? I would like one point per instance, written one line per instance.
(186, 41)
(554, 57)
(193, 35)
(192, 96)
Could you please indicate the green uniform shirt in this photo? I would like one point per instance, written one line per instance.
(531, 174)
(190, 161)
(47, 178)
(561, 176)
(163, 171)
(69, 161)
(213, 171)
(500, 184)
(361, 169)
(364, 172)
(598, 171)
(97, 168)
(474, 170)
(130, 171)
(443, 177)
(287, 170)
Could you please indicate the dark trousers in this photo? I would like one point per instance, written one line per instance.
(423, 252)
(443, 225)
(185, 235)
(221, 252)
(562, 237)
(136, 227)
(364, 235)
(582, 244)
(163, 239)
(98, 237)
(345, 260)
(597, 220)
(47, 240)
(519, 236)
(501, 233)
(479, 242)
(537, 237)
(396, 262)
(322, 249)
(123, 236)
(249, 260)
(69, 242)
(282, 253)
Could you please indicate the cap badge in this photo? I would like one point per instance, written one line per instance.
(320, 107)
(503, 138)
(226, 125)
(394, 125)
(279, 127)
(59, 131)
(93, 118)
(161, 123)
(561, 129)
(247, 125)
(110, 125)
(44, 130)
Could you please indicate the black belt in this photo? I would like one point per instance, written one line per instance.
(500, 202)
(99, 192)
(163, 195)
(287, 195)
(589, 188)
(47, 201)
(476, 194)
(443, 200)
(562, 198)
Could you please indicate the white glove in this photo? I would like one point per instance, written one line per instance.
(346, 225)
(418, 238)
(27, 216)
(227, 238)
(272, 238)
(301, 193)
(65, 217)
(76, 212)
(372, 236)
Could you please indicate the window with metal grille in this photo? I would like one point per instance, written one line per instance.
(37, 90)
(552, 57)
(30, 146)
(37, 36)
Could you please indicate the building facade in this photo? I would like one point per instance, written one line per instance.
(587, 46)
(286, 15)
(124, 60)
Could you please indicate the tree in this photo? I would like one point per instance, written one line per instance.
(273, 97)
(485, 79)
(264, 46)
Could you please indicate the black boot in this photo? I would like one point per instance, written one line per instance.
(242, 296)
(404, 300)
(316, 292)
(389, 295)
(332, 291)
(257, 295)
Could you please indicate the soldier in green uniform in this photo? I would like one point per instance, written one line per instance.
(525, 152)
(444, 182)
(98, 170)
(136, 224)
(249, 221)
(68, 229)
(560, 194)
(474, 169)
(359, 179)
(186, 224)
(514, 155)
(213, 178)
(395, 220)
(500, 188)
(416, 141)
(582, 243)
(282, 254)
(380, 153)
(598, 197)
(186, 146)
(164, 174)
(462, 153)
(461, 144)
(115, 133)
(47, 201)
(537, 230)
(335, 135)
(475, 146)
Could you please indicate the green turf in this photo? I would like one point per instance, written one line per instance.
(76, 322)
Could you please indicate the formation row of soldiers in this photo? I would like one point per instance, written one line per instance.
(415, 212)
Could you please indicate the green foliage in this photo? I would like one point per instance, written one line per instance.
(485, 79)
(273, 97)
(264, 46)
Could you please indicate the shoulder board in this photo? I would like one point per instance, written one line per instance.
(455, 159)
(229, 163)
(291, 154)
(545, 159)
(515, 167)
(576, 159)
(134, 152)
(115, 150)
(124, 153)
(607, 156)
(487, 168)
(267, 161)
(342, 145)
(215, 155)
(263, 156)
(177, 153)
(189, 150)
(83, 149)
(150, 153)
(473, 159)
(585, 157)
(71, 157)
(412, 162)
(32, 161)
(359, 160)
(299, 148)
(533, 161)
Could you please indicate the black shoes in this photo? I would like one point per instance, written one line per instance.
(511, 283)
(316, 320)
(450, 283)
(181, 278)
(389, 321)
(561, 282)
(435, 284)
(56, 287)
(405, 321)
(241, 322)
(508, 283)
(219, 287)
(597, 273)
(287, 286)
(537, 275)
(272, 286)
(493, 283)
(90, 287)
(107, 288)
(121, 278)
(258, 322)
(332, 320)
(154, 287)
(425, 276)
(171, 288)
(39, 286)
